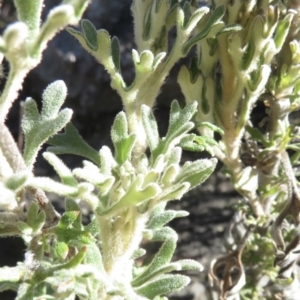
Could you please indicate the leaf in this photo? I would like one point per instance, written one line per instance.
(93, 175)
(174, 191)
(214, 19)
(17, 181)
(282, 31)
(195, 18)
(135, 195)
(150, 127)
(9, 276)
(107, 161)
(182, 265)
(73, 236)
(36, 219)
(25, 291)
(49, 185)
(256, 135)
(248, 54)
(71, 205)
(193, 142)
(160, 220)
(196, 172)
(123, 142)
(71, 142)
(61, 169)
(187, 13)
(61, 249)
(68, 219)
(162, 257)
(115, 52)
(210, 126)
(93, 227)
(163, 285)
(179, 125)
(230, 28)
(174, 156)
(94, 257)
(138, 253)
(89, 33)
(170, 174)
(38, 128)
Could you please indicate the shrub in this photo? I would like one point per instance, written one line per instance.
(244, 52)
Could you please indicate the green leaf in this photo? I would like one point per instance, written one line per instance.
(93, 227)
(170, 174)
(71, 142)
(39, 128)
(94, 257)
(210, 126)
(174, 156)
(25, 291)
(158, 59)
(187, 13)
(179, 125)
(73, 236)
(214, 19)
(138, 253)
(107, 161)
(90, 34)
(92, 174)
(160, 220)
(24, 228)
(162, 257)
(61, 250)
(256, 135)
(193, 142)
(282, 30)
(182, 265)
(196, 172)
(5, 286)
(49, 185)
(115, 53)
(248, 54)
(61, 169)
(68, 219)
(41, 273)
(163, 285)
(189, 264)
(150, 127)
(36, 219)
(174, 191)
(195, 18)
(123, 142)
(30, 14)
(71, 205)
(16, 181)
(124, 149)
(230, 28)
(135, 195)
(53, 98)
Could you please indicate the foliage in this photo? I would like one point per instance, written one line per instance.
(246, 53)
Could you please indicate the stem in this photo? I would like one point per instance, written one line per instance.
(10, 150)
(13, 85)
(120, 237)
(29, 12)
(146, 94)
